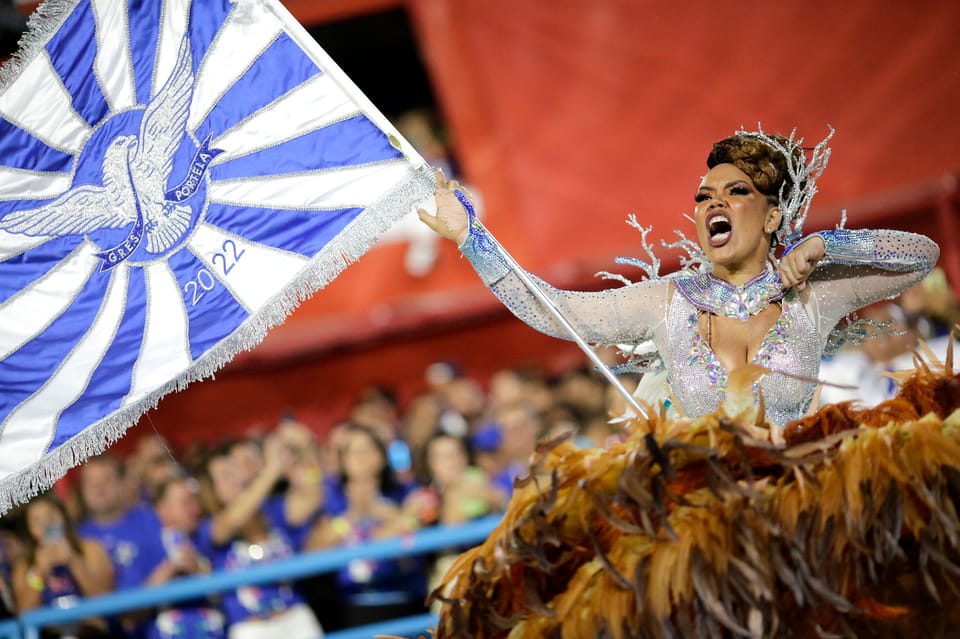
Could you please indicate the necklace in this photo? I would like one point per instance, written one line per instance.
(711, 294)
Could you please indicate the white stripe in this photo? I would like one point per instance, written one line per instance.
(18, 184)
(28, 313)
(165, 351)
(312, 105)
(173, 24)
(39, 104)
(256, 272)
(340, 188)
(28, 430)
(240, 41)
(14, 244)
(112, 65)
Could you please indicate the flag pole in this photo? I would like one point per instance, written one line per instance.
(649, 440)
(557, 314)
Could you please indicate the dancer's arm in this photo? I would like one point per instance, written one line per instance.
(627, 314)
(860, 267)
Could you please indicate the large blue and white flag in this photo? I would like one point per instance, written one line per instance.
(175, 175)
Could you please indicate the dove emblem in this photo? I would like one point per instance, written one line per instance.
(135, 171)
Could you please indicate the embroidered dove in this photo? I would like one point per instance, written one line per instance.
(135, 172)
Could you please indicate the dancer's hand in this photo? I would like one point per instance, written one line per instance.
(451, 220)
(797, 265)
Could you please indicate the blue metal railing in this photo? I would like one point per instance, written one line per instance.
(29, 624)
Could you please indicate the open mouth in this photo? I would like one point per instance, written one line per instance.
(719, 229)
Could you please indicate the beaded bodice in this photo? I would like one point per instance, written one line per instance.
(698, 380)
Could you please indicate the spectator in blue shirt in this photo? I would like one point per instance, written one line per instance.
(520, 426)
(167, 553)
(365, 505)
(110, 521)
(240, 532)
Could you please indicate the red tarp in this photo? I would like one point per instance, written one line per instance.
(567, 116)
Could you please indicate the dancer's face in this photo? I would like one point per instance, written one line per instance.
(732, 219)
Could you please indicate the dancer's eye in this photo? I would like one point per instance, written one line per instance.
(701, 197)
(739, 189)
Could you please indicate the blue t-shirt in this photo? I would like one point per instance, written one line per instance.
(60, 586)
(504, 479)
(250, 601)
(124, 540)
(335, 499)
(274, 511)
(383, 581)
(189, 623)
(191, 619)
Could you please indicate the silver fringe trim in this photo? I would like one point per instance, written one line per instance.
(345, 249)
(41, 26)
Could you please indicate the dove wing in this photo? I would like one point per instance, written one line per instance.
(79, 210)
(162, 129)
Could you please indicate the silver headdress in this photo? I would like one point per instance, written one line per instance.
(803, 169)
(802, 173)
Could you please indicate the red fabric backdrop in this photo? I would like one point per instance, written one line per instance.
(569, 115)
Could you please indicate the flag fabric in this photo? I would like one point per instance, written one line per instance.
(175, 176)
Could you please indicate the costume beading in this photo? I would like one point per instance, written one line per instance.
(859, 268)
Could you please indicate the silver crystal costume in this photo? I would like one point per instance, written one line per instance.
(859, 268)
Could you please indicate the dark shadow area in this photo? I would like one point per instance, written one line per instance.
(12, 26)
(379, 53)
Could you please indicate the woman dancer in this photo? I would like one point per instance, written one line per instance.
(742, 306)
(716, 530)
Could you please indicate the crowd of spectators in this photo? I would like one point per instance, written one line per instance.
(447, 456)
(920, 321)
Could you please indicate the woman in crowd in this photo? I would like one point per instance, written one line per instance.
(243, 530)
(454, 490)
(59, 567)
(362, 506)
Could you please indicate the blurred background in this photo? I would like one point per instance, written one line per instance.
(564, 117)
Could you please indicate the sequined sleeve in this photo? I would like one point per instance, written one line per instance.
(864, 266)
(628, 314)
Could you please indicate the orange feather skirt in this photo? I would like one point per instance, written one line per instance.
(846, 526)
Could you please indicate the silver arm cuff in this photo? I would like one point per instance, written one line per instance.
(846, 246)
(480, 249)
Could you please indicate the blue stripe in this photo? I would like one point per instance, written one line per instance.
(29, 368)
(215, 314)
(303, 232)
(19, 149)
(143, 18)
(72, 50)
(351, 142)
(206, 18)
(21, 270)
(260, 85)
(112, 379)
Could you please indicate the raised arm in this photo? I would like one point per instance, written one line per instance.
(628, 314)
(860, 267)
